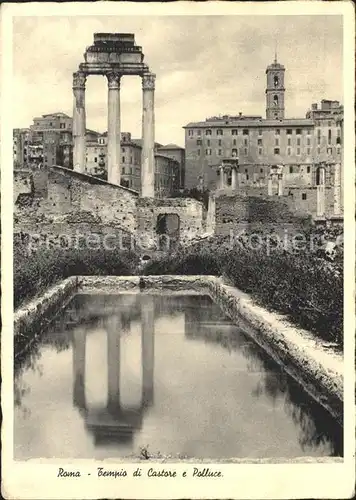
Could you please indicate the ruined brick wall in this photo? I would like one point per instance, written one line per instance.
(273, 214)
(71, 193)
(23, 185)
(189, 211)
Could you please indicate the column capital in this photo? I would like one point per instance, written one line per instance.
(148, 81)
(113, 80)
(79, 79)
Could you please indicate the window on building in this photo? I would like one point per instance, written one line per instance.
(219, 142)
(289, 141)
(276, 151)
(260, 131)
(329, 123)
(277, 141)
(260, 151)
(259, 142)
(208, 131)
(245, 131)
(234, 131)
(289, 131)
(198, 132)
(190, 132)
(245, 142)
(234, 142)
(219, 131)
(318, 151)
(208, 142)
(277, 131)
(50, 124)
(123, 159)
(245, 151)
(62, 125)
(308, 170)
(234, 152)
(308, 141)
(246, 170)
(330, 151)
(308, 151)
(219, 152)
(290, 170)
(198, 142)
(319, 139)
(298, 141)
(247, 177)
(261, 170)
(96, 159)
(298, 151)
(299, 131)
(304, 196)
(208, 152)
(329, 136)
(198, 152)
(123, 150)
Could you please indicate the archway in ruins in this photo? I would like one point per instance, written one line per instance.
(167, 228)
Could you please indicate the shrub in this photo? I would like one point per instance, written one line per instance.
(34, 273)
(306, 289)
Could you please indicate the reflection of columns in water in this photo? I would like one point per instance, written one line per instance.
(113, 327)
(147, 342)
(79, 341)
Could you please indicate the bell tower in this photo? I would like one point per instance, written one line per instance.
(275, 91)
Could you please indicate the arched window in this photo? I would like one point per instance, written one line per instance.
(276, 80)
(275, 100)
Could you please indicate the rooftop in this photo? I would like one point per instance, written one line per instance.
(261, 122)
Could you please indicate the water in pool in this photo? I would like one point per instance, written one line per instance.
(116, 374)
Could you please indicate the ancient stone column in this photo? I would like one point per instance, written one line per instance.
(233, 178)
(280, 185)
(79, 341)
(211, 215)
(114, 136)
(147, 343)
(148, 136)
(337, 189)
(270, 186)
(79, 129)
(320, 194)
(113, 331)
(222, 184)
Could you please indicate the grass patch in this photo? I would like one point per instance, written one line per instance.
(308, 290)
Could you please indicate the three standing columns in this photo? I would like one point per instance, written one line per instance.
(79, 150)
(114, 134)
(148, 136)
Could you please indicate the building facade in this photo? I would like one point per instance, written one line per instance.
(178, 154)
(258, 143)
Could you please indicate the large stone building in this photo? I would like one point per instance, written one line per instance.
(259, 143)
(49, 142)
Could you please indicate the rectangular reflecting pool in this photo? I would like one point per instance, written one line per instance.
(167, 375)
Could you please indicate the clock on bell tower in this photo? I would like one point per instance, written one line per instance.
(275, 91)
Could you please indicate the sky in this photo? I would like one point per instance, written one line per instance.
(205, 66)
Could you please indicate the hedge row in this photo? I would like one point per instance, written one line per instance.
(35, 273)
(306, 289)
